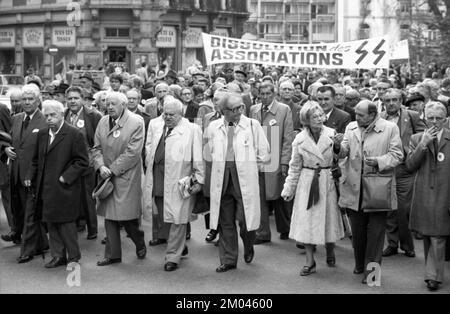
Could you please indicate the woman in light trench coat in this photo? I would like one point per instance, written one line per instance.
(316, 219)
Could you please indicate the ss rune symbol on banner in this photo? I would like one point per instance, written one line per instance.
(376, 51)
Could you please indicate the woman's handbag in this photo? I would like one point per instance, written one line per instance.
(377, 190)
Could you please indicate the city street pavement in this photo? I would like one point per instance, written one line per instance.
(275, 270)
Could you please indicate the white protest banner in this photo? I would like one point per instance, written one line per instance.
(363, 54)
(400, 50)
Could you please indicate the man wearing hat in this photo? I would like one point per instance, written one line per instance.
(86, 80)
(86, 121)
(59, 94)
(416, 102)
(240, 77)
(24, 130)
(117, 155)
(171, 77)
(59, 161)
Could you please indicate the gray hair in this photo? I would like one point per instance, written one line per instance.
(307, 110)
(53, 104)
(162, 84)
(117, 96)
(14, 92)
(173, 102)
(31, 89)
(435, 105)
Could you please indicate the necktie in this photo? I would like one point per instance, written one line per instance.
(230, 150)
(26, 123)
(168, 133)
(73, 118)
(52, 137)
(264, 112)
(436, 146)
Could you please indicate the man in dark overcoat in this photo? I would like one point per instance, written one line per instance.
(429, 158)
(59, 162)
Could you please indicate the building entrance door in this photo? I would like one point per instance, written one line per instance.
(117, 57)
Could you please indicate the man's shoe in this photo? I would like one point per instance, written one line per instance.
(170, 266)
(156, 242)
(24, 259)
(12, 237)
(92, 236)
(432, 285)
(284, 236)
(188, 236)
(390, 251)
(410, 254)
(185, 251)
(109, 261)
(212, 235)
(81, 228)
(364, 281)
(260, 241)
(308, 270)
(104, 241)
(56, 262)
(358, 271)
(331, 261)
(224, 268)
(248, 257)
(141, 253)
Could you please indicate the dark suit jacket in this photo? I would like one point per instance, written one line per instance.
(409, 123)
(67, 157)
(147, 119)
(90, 123)
(295, 109)
(5, 119)
(338, 120)
(24, 145)
(191, 111)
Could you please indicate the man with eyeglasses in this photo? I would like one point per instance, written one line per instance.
(429, 159)
(276, 119)
(381, 89)
(239, 149)
(352, 98)
(154, 106)
(287, 91)
(340, 96)
(409, 123)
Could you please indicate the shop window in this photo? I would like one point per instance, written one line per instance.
(18, 3)
(48, 1)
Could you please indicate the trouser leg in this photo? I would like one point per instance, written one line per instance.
(113, 247)
(33, 236)
(6, 201)
(376, 229)
(90, 213)
(228, 240)
(136, 235)
(18, 201)
(359, 239)
(160, 228)
(56, 243)
(176, 243)
(69, 236)
(263, 232)
(434, 258)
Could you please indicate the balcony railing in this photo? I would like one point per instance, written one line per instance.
(323, 37)
(238, 6)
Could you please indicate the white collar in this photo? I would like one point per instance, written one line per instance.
(54, 134)
(31, 115)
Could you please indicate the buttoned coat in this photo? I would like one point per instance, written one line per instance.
(251, 151)
(409, 123)
(278, 126)
(120, 149)
(66, 157)
(338, 120)
(321, 223)
(430, 207)
(182, 158)
(381, 140)
(24, 144)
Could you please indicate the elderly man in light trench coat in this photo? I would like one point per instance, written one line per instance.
(117, 155)
(173, 153)
(372, 145)
(239, 148)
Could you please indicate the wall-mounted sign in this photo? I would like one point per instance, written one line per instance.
(7, 37)
(167, 38)
(193, 38)
(64, 36)
(33, 37)
(221, 32)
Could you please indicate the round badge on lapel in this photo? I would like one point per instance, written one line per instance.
(116, 134)
(80, 124)
(441, 157)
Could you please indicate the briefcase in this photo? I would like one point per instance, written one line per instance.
(377, 190)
